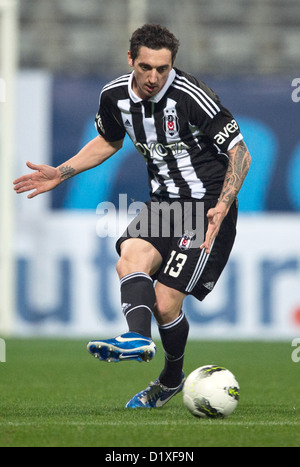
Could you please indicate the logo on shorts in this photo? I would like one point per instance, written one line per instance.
(186, 240)
(171, 125)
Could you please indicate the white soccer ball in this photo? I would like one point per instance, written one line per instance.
(211, 392)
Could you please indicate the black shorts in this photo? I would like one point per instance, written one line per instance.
(176, 228)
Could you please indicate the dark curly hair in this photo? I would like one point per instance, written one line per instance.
(153, 36)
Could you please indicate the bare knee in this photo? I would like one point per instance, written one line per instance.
(119, 268)
(137, 255)
(124, 262)
(168, 304)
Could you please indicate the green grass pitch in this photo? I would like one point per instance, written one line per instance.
(53, 393)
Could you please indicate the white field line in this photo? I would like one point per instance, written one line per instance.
(215, 423)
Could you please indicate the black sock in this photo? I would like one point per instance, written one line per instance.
(174, 337)
(138, 298)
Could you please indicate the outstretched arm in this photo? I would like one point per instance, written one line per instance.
(45, 178)
(238, 166)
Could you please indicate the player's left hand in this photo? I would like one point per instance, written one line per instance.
(215, 218)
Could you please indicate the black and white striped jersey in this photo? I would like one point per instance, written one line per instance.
(183, 133)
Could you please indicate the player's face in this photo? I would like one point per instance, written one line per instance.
(151, 71)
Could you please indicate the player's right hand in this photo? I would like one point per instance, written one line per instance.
(44, 178)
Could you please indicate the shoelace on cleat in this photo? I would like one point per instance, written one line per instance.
(153, 390)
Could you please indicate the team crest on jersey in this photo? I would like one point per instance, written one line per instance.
(186, 240)
(171, 125)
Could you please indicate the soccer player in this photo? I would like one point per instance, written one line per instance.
(197, 162)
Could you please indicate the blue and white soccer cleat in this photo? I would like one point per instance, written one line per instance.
(156, 395)
(128, 346)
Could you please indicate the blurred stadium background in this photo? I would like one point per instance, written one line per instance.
(57, 272)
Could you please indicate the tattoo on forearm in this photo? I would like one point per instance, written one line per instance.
(239, 163)
(67, 172)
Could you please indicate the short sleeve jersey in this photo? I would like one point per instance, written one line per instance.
(183, 133)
